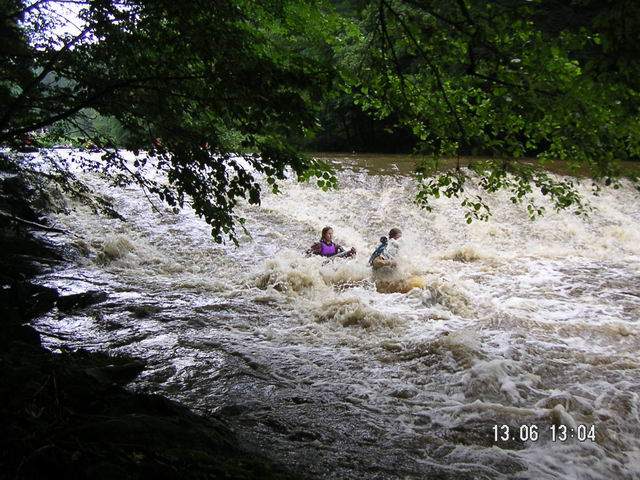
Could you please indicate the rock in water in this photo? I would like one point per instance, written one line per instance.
(75, 301)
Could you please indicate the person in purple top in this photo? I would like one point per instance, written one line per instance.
(326, 248)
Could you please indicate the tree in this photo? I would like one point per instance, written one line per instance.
(195, 84)
(508, 79)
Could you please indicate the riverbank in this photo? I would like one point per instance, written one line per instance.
(68, 414)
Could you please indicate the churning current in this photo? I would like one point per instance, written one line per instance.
(528, 324)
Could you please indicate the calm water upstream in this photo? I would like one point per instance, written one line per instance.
(521, 323)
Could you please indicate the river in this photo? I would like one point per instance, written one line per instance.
(529, 324)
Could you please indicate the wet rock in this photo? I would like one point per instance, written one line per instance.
(15, 190)
(77, 301)
(160, 375)
(276, 426)
(112, 325)
(143, 311)
(404, 393)
(233, 410)
(23, 299)
(299, 400)
(19, 333)
(41, 299)
(119, 374)
(24, 255)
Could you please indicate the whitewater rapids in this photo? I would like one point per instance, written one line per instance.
(520, 322)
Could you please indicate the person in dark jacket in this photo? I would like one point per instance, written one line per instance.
(326, 248)
(384, 255)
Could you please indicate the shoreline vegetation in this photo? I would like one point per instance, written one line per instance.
(68, 414)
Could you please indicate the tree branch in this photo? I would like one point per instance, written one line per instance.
(433, 68)
(90, 102)
(48, 68)
(31, 224)
(387, 38)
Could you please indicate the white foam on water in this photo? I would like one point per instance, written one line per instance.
(518, 322)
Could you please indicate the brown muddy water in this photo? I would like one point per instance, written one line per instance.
(385, 164)
(532, 325)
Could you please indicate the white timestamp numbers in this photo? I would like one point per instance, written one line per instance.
(532, 432)
(582, 433)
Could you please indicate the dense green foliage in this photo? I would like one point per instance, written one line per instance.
(198, 84)
(508, 79)
(194, 83)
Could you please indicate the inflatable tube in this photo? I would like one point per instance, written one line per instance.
(400, 286)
